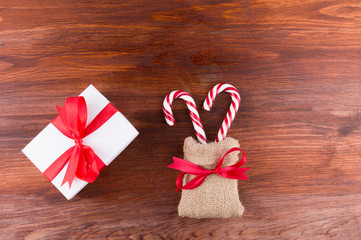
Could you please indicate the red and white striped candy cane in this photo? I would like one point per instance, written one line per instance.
(236, 99)
(169, 118)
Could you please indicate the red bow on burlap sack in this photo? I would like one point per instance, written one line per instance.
(233, 172)
(71, 121)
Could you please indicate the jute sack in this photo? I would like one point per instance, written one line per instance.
(216, 197)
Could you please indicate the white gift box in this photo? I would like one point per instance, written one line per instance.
(108, 141)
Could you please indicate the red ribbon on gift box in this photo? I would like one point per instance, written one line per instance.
(233, 172)
(71, 121)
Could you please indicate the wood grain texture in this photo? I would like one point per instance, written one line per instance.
(296, 64)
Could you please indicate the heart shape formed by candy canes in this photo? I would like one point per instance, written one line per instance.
(236, 99)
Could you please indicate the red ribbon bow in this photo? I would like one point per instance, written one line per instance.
(233, 172)
(71, 121)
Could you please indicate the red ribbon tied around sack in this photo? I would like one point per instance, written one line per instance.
(232, 172)
(71, 121)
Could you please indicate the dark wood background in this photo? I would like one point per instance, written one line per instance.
(296, 65)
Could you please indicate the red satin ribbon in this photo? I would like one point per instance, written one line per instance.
(71, 121)
(233, 172)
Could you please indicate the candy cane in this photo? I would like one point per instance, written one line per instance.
(169, 118)
(236, 99)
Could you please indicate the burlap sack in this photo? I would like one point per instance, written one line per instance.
(216, 197)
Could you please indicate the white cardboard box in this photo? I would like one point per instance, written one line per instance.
(108, 141)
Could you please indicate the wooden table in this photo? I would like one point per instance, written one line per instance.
(296, 65)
